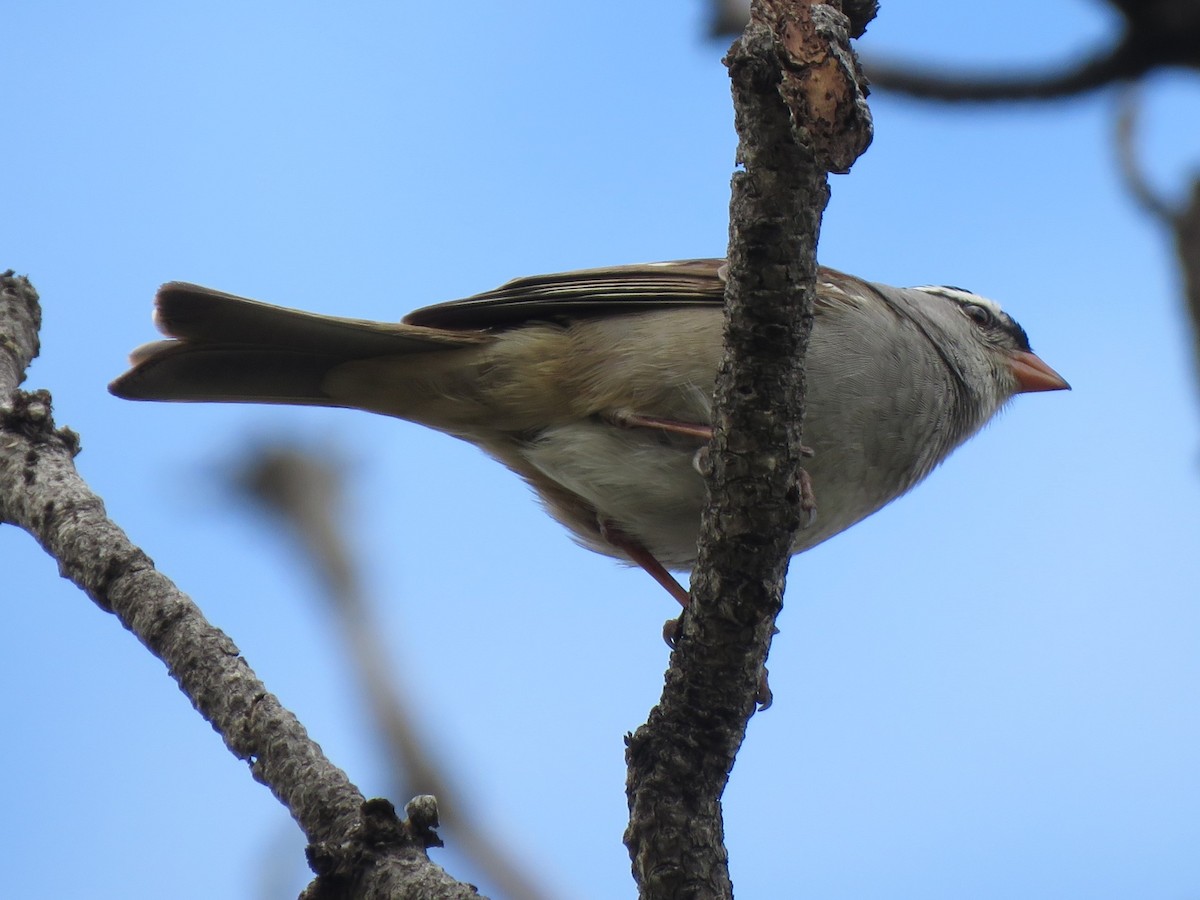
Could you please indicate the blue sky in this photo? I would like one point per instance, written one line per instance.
(987, 690)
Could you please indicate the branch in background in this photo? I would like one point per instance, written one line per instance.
(1182, 219)
(303, 489)
(354, 846)
(1154, 34)
(1131, 170)
(728, 17)
(1088, 74)
(800, 112)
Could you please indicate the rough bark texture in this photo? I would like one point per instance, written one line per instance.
(351, 843)
(800, 112)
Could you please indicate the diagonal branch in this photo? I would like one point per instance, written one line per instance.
(352, 843)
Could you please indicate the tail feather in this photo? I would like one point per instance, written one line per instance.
(177, 370)
(229, 349)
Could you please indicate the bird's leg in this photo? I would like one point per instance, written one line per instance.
(656, 570)
(644, 558)
(626, 419)
(623, 419)
(652, 567)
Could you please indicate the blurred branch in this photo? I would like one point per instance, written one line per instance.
(1088, 74)
(304, 491)
(728, 17)
(1135, 180)
(354, 845)
(1153, 34)
(1182, 219)
(800, 112)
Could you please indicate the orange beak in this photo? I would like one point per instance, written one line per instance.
(1034, 375)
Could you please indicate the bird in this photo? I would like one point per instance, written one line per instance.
(595, 386)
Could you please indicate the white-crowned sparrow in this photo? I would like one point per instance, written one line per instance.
(596, 386)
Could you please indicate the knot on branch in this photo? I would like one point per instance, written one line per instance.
(819, 78)
(29, 415)
(859, 13)
(379, 833)
(422, 822)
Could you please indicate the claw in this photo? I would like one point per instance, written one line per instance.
(763, 697)
(672, 629)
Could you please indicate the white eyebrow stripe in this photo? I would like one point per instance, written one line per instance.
(953, 293)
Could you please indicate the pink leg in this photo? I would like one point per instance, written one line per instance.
(646, 560)
(659, 573)
(671, 426)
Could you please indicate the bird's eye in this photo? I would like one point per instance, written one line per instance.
(980, 315)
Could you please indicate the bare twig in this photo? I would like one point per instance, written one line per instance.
(1183, 219)
(728, 17)
(354, 846)
(303, 489)
(800, 112)
(1131, 170)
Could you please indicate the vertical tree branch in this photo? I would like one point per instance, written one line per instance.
(800, 113)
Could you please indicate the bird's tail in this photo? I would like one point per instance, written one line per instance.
(229, 349)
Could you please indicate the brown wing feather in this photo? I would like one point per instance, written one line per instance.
(589, 293)
(583, 294)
